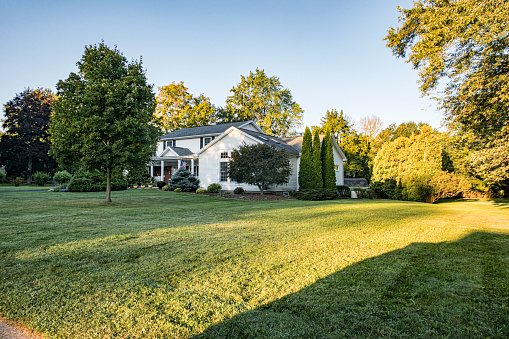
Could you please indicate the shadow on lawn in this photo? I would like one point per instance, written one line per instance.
(449, 289)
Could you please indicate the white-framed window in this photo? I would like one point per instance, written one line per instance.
(206, 141)
(224, 155)
(223, 166)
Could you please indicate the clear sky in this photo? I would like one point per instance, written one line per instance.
(330, 54)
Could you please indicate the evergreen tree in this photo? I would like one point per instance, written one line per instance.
(185, 180)
(306, 168)
(328, 172)
(317, 160)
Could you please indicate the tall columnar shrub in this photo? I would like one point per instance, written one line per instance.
(317, 160)
(184, 180)
(328, 172)
(306, 168)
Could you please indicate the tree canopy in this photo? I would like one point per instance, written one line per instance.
(259, 164)
(263, 99)
(465, 43)
(177, 108)
(103, 117)
(25, 144)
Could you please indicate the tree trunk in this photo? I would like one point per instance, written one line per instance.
(108, 185)
(29, 171)
(260, 187)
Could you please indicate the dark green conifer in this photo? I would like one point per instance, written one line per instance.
(306, 168)
(317, 160)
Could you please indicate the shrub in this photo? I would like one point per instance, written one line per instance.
(2, 177)
(87, 181)
(316, 194)
(201, 191)
(344, 191)
(184, 180)
(160, 184)
(239, 190)
(62, 177)
(214, 188)
(18, 181)
(41, 178)
(178, 189)
(165, 188)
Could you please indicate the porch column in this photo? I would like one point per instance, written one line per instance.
(151, 170)
(178, 164)
(192, 166)
(162, 170)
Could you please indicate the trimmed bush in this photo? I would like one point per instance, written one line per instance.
(86, 181)
(62, 177)
(18, 181)
(178, 189)
(165, 188)
(160, 184)
(2, 177)
(239, 190)
(214, 188)
(41, 178)
(184, 180)
(201, 190)
(316, 194)
(344, 191)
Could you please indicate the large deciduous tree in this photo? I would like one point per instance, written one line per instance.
(371, 126)
(177, 108)
(259, 164)
(263, 99)
(466, 43)
(25, 144)
(103, 117)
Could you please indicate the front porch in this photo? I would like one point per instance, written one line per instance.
(163, 168)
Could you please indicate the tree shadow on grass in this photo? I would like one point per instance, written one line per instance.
(450, 289)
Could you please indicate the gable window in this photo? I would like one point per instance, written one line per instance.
(224, 155)
(223, 167)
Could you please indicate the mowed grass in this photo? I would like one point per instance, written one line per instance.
(172, 265)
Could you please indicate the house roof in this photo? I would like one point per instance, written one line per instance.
(181, 151)
(203, 130)
(272, 141)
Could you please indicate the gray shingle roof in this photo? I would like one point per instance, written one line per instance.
(272, 141)
(181, 151)
(202, 130)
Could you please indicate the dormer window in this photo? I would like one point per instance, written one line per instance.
(206, 140)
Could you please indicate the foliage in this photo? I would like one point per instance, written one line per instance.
(178, 189)
(177, 108)
(239, 190)
(41, 178)
(103, 118)
(317, 160)
(201, 191)
(184, 180)
(160, 184)
(328, 171)
(2, 177)
(62, 177)
(18, 181)
(263, 99)
(465, 43)
(95, 181)
(165, 188)
(343, 191)
(316, 194)
(214, 188)
(259, 164)
(307, 176)
(357, 149)
(25, 143)
(337, 123)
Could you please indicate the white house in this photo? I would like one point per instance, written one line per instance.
(205, 152)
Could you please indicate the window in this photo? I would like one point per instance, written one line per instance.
(224, 155)
(206, 141)
(223, 175)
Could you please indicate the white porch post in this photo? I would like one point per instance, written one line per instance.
(192, 166)
(151, 170)
(178, 164)
(162, 170)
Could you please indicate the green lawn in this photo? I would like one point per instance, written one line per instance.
(173, 265)
(12, 188)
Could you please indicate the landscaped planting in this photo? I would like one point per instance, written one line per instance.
(158, 264)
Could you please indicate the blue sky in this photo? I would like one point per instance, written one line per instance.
(330, 54)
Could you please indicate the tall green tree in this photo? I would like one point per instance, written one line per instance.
(337, 123)
(259, 164)
(25, 144)
(328, 171)
(306, 168)
(263, 99)
(177, 108)
(103, 117)
(317, 160)
(466, 44)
